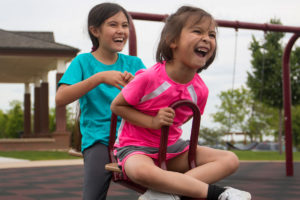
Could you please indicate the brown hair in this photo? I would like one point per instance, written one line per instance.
(172, 30)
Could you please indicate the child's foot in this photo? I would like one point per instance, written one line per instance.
(234, 194)
(153, 195)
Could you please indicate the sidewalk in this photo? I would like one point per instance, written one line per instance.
(6, 163)
(11, 160)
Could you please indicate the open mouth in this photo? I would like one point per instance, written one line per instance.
(201, 51)
(119, 40)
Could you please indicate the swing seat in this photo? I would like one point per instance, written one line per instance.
(117, 174)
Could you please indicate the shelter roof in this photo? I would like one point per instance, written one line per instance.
(27, 55)
(30, 40)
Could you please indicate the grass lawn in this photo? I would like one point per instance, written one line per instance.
(37, 155)
(261, 155)
(57, 155)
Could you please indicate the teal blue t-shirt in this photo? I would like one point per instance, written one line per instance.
(95, 105)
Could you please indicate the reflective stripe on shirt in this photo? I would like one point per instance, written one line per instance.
(163, 87)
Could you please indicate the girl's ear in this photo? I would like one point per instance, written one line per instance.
(95, 31)
(173, 45)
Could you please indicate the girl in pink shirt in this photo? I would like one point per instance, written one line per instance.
(187, 46)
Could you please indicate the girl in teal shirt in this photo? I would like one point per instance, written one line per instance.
(95, 79)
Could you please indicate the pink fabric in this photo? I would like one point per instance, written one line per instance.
(143, 93)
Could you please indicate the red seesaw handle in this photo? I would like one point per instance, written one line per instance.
(193, 138)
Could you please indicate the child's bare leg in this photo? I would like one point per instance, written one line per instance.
(142, 170)
(213, 164)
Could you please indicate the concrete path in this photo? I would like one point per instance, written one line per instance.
(20, 163)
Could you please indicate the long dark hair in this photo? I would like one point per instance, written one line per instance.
(98, 14)
(172, 30)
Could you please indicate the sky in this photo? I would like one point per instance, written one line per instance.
(68, 20)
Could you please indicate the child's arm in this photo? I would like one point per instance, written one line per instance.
(69, 93)
(164, 117)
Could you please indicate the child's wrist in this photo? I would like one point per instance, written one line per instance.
(101, 78)
(152, 123)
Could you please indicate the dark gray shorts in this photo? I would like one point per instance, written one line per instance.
(174, 150)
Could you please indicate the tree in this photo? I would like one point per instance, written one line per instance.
(296, 126)
(232, 112)
(239, 112)
(52, 122)
(3, 120)
(265, 81)
(12, 121)
(211, 137)
(295, 75)
(295, 68)
(15, 121)
(261, 122)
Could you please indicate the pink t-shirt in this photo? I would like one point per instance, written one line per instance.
(152, 90)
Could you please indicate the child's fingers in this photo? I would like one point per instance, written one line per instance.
(169, 112)
(167, 121)
(120, 79)
(166, 116)
(121, 82)
(118, 86)
(127, 76)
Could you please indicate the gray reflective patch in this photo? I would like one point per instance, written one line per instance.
(192, 93)
(163, 87)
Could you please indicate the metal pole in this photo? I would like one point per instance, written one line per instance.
(287, 105)
(132, 39)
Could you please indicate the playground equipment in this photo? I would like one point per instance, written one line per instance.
(245, 25)
(242, 148)
(285, 65)
(117, 172)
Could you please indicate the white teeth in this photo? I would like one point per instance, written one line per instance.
(202, 49)
(118, 39)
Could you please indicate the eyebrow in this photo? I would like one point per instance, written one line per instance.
(113, 21)
(200, 28)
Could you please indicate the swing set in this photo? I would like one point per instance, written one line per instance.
(113, 166)
(285, 65)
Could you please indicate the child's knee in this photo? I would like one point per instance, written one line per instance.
(232, 161)
(140, 175)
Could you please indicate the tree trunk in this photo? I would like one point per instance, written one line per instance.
(280, 131)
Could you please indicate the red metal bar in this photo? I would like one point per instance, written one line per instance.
(255, 26)
(163, 147)
(132, 39)
(112, 137)
(224, 23)
(148, 16)
(193, 137)
(287, 105)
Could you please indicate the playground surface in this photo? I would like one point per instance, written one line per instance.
(60, 180)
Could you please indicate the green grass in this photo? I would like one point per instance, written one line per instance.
(260, 155)
(58, 155)
(38, 155)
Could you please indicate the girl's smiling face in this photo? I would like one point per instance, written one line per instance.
(113, 33)
(196, 44)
